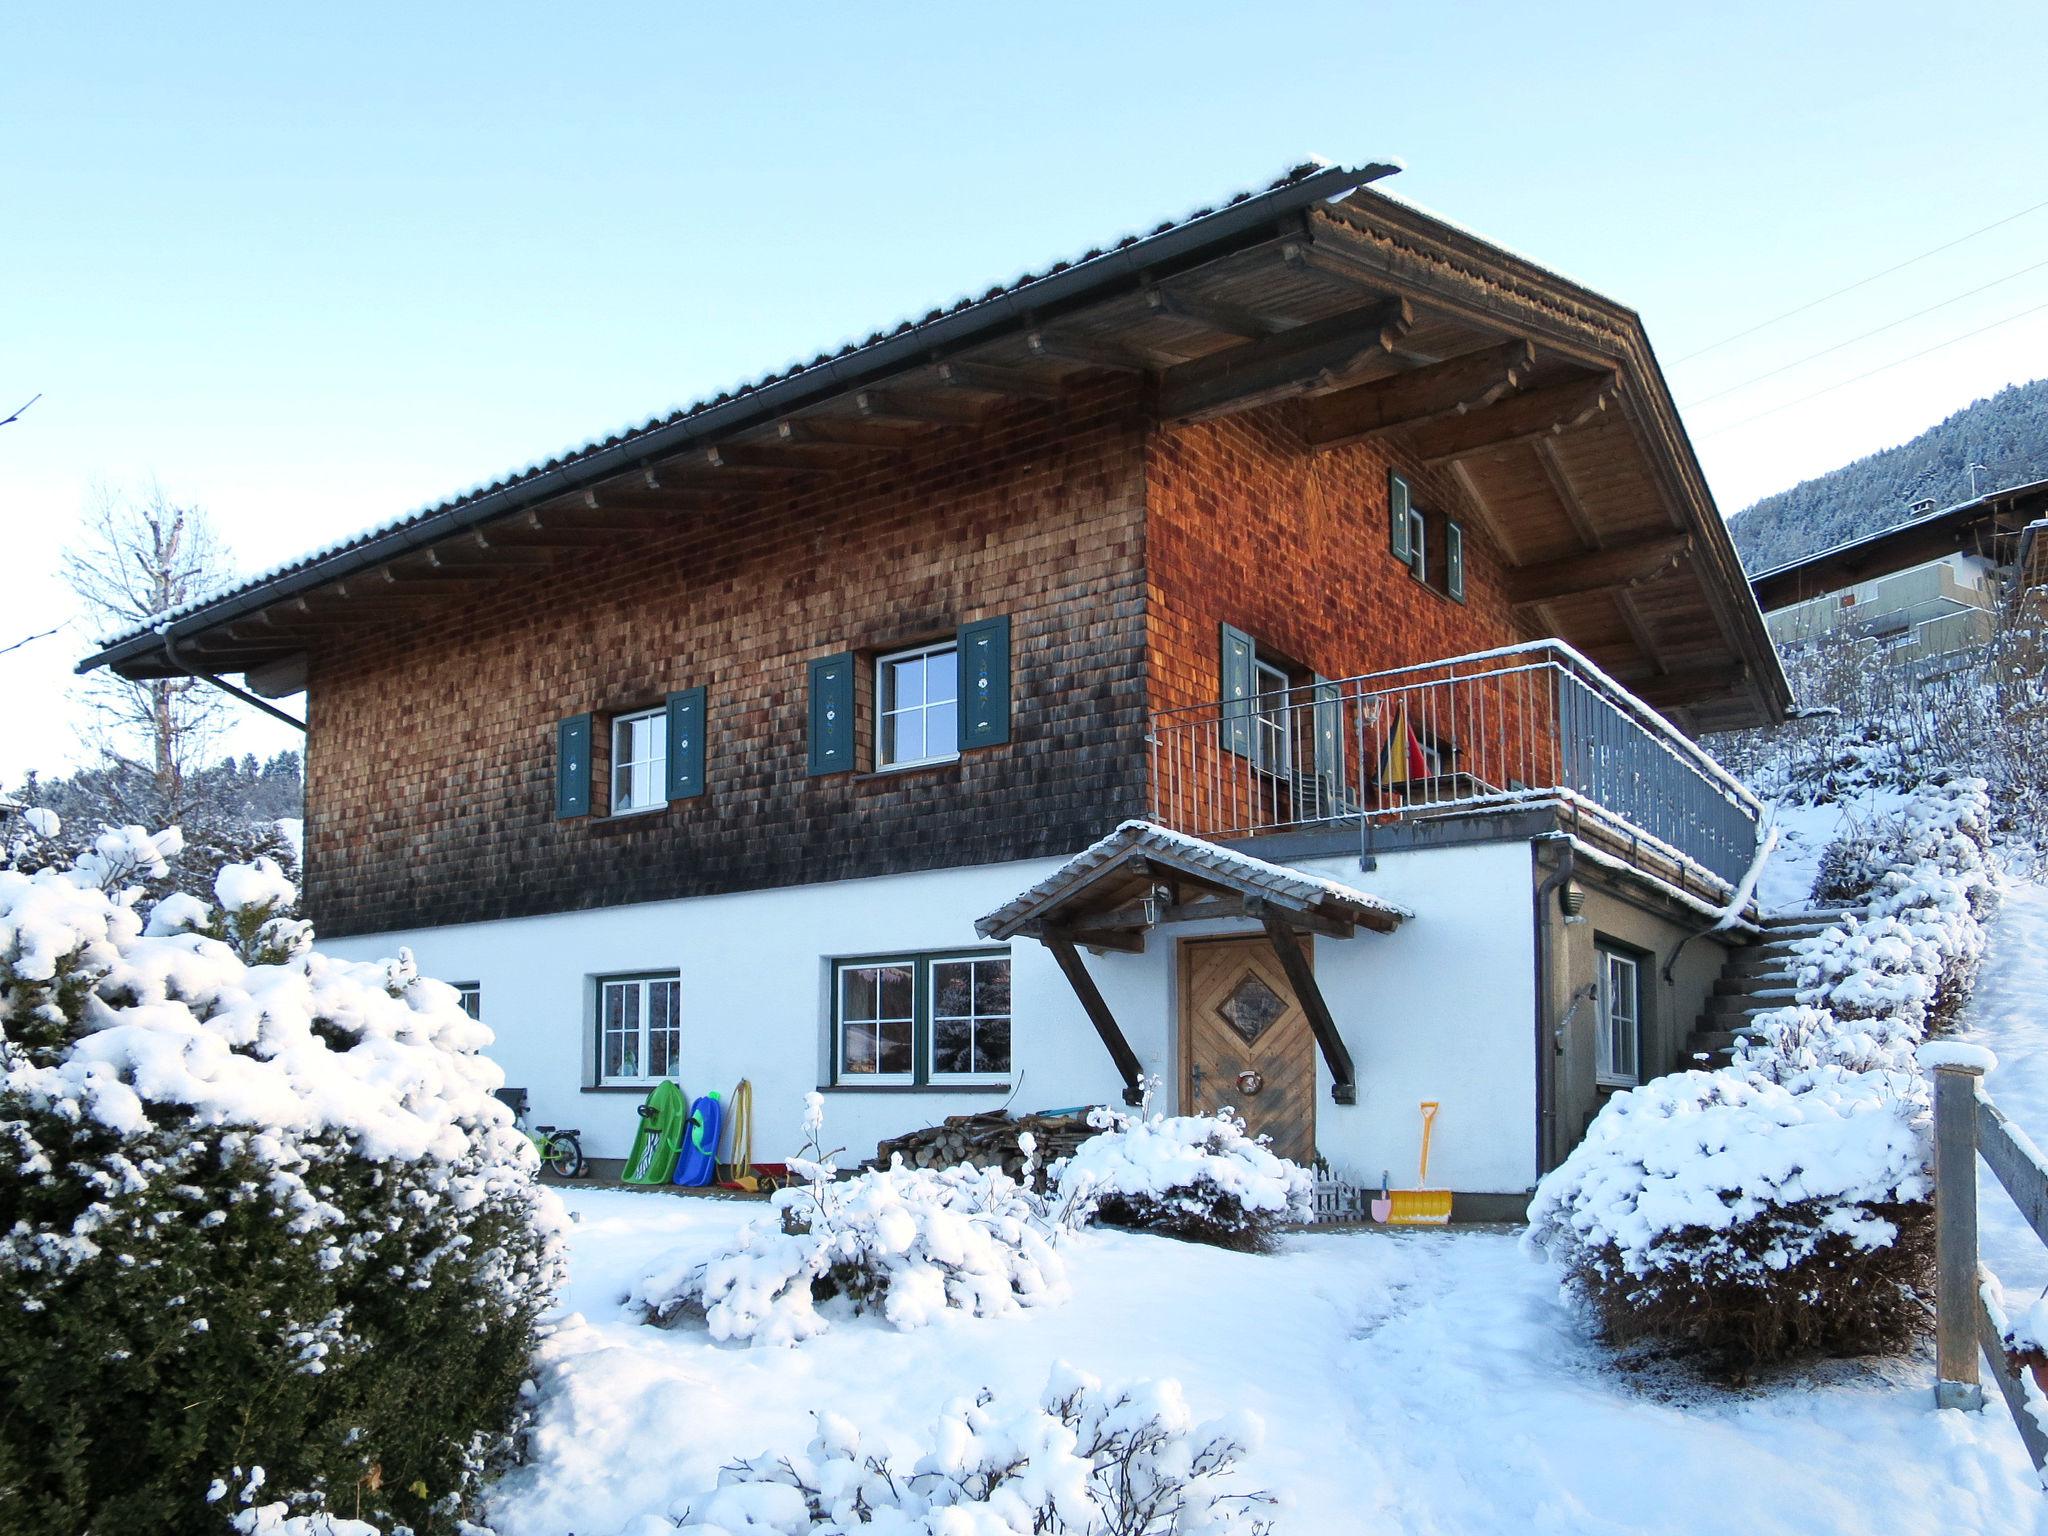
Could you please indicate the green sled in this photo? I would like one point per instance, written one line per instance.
(663, 1119)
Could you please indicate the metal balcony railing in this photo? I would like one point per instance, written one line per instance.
(1493, 729)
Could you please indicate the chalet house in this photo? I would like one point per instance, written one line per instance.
(1264, 655)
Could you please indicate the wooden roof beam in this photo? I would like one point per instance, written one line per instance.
(1065, 347)
(1308, 358)
(754, 459)
(463, 555)
(923, 408)
(989, 379)
(851, 432)
(1210, 315)
(1450, 388)
(1596, 570)
(1695, 687)
(1534, 413)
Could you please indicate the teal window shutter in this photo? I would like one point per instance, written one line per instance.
(572, 767)
(686, 744)
(1238, 655)
(984, 683)
(831, 721)
(1399, 499)
(1454, 561)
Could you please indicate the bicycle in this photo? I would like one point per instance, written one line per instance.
(561, 1150)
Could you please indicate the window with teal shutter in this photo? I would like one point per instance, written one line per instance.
(1454, 561)
(1399, 500)
(1329, 744)
(984, 683)
(686, 744)
(572, 767)
(1238, 686)
(831, 713)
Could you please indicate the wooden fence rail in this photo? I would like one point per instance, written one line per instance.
(1969, 1319)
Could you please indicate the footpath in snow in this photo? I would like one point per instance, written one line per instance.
(1417, 1383)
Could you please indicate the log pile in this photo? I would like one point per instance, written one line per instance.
(987, 1140)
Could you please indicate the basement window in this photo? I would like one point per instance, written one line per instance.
(639, 762)
(917, 706)
(639, 1028)
(930, 1020)
(1618, 980)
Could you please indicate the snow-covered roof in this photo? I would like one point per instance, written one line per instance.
(833, 370)
(1200, 859)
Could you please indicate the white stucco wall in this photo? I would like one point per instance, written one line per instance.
(1440, 1009)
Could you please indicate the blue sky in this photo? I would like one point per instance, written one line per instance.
(312, 269)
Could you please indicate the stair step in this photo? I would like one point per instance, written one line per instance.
(1753, 984)
(1709, 1040)
(1783, 922)
(1756, 1002)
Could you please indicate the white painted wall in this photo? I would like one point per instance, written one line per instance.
(1443, 1008)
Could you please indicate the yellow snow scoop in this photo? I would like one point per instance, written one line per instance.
(1416, 1207)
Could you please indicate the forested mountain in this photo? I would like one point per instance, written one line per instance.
(2006, 434)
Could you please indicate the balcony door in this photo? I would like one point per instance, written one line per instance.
(1246, 1043)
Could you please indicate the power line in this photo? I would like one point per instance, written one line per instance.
(1897, 362)
(1861, 282)
(1865, 336)
(39, 635)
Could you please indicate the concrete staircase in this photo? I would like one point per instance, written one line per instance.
(1753, 981)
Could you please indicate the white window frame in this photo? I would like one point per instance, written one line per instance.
(1272, 726)
(657, 764)
(643, 984)
(1454, 560)
(931, 1041)
(1418, 542)
(876, 1079)
(887, 709)
(1606, 1071)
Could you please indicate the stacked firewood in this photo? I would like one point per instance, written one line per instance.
(987, 1140)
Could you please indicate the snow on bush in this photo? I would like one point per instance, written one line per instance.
(264, 1185)
(1085, 1460)
(1191, 1176)
(1779, 1205)
(909, 1242)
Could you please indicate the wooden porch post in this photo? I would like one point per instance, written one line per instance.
(1092, 1004)
(1287, 945)
(1956, 1383)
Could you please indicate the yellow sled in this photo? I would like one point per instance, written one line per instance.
(1416, 1207)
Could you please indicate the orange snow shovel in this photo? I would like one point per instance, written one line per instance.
(1416, 1207)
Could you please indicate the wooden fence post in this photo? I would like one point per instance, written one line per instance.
(1957, 1384)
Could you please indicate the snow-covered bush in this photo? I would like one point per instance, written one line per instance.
(1126, 1463)
(909, 1242)
(1779, 1205)
(257, 1207)
(1745, 1218)
(1191, 1176)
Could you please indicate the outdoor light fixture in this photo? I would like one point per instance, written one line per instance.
(1571, 898)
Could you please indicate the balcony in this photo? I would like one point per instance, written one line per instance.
(1525, 728)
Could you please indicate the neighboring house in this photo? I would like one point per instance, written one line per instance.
(788, 737)
(1920, 615)
(1928, 589)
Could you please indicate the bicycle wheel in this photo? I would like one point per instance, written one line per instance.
(565, 1156)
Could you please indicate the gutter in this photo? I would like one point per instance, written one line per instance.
(1013, 306)
(171, 655)
(1546, 1045)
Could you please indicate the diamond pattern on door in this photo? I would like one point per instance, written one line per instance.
(1251, 1008)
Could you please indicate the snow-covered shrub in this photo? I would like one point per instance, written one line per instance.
(1085, 1460)
(257, 1206)
(1745, 1218)
(1779, 1206)
(908, 1242)
(1191, 1176)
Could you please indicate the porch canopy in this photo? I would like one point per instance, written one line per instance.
(1108, 896)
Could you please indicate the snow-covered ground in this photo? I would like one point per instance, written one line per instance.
(2009, 1013)
(1420, 1382)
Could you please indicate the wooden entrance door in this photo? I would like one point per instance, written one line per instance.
(1238, 1015)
